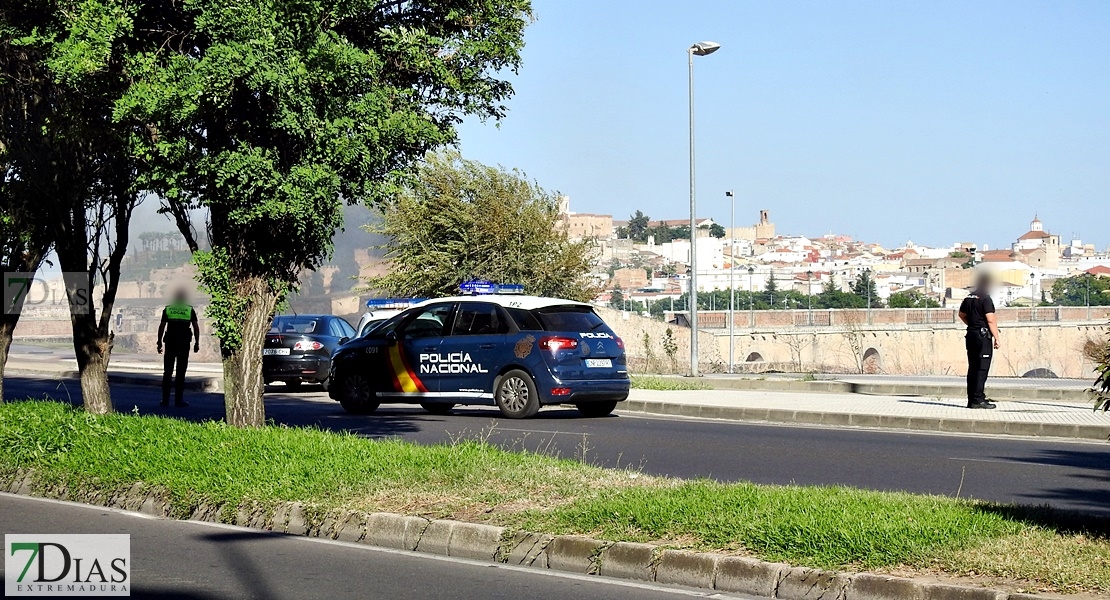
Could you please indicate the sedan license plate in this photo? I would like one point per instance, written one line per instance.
(275, 352)
(599, 363)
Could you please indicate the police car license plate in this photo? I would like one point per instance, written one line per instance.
(275, 352)
(599, 363)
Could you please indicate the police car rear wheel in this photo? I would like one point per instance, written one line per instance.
(437, 408)
(596, 409)
(516, 395)
(356, 395)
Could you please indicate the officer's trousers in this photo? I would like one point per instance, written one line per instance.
(178, 355)
(980, 351)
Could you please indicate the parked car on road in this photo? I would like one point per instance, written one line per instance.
(515, 352)
(298, 348)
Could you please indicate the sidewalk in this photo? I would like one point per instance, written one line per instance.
(1031, 417)
(132, 369)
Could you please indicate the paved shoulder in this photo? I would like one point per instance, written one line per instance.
(196, 561)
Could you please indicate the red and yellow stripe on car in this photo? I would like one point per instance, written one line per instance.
(404, 378)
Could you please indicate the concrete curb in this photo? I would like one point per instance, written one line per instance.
(998, 392)
(809, 417)
(575, 554)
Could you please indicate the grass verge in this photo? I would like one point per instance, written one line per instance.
(668, 384)
(828, 527)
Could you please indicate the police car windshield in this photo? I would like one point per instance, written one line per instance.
(294, 324)
(570, 317)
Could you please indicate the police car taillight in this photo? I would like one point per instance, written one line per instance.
(620, 343)
(305, 346)
(556, 343)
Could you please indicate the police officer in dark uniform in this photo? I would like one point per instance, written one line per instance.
(977, 312)
(179, 322)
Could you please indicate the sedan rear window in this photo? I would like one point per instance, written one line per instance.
(293, 324)
(570, 317)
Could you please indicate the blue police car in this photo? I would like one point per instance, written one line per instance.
(513, 351)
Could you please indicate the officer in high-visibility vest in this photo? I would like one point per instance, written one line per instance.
(179, 321)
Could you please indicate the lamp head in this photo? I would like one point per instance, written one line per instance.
(705, 48)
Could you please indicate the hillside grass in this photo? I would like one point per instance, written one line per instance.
(826, 527)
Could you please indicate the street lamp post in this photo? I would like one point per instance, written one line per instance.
(699, 49)
(751, 298)
(1088, 279)
(731, 280)
(809, 294)
(868, 271)
(1032, 297)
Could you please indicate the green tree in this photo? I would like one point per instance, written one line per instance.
(833, 297)
(1077, 290)
(717, 230)
(73, 160)
(616, 299)
(23, 238)
(637, 228)
(459, 219)
(268, 115)
(911, 299)
(864, 287)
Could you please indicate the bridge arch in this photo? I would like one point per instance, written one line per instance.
(872, 361)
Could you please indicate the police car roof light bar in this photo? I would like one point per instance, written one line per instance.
(483, 287)
(392, 303)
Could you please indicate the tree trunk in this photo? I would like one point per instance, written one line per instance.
(93, 349)
(7, 327)
(243, 385)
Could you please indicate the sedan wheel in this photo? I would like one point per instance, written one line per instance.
(356, 395)
(516, 395)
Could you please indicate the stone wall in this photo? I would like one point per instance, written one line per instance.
(901, 348)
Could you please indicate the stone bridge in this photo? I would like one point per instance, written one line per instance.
(1044, 341)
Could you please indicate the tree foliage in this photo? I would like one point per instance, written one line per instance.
(911, 299)
(459, 219)
(62, 76)
(265, 116)
(1081, 289)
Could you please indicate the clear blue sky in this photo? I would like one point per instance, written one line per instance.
(931, 121)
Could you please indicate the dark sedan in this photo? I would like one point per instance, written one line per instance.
(298, 348)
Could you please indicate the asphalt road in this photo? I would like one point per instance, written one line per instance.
(185, 560)
(1071, 475)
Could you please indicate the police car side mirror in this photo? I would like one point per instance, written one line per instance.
(391, 337)
(344, 340)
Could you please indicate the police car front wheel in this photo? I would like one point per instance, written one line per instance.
(516, 395)
(356, 395)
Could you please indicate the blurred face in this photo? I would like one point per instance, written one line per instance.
(180, 297)
(986, 283)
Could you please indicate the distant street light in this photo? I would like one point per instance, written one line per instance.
(699, 49)
(751, 298)
(809, 294)
(868, 272)
(731, 281)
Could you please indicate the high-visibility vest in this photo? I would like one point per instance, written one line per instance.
(179, 312)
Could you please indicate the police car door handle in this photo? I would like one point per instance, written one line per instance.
(486, 346)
